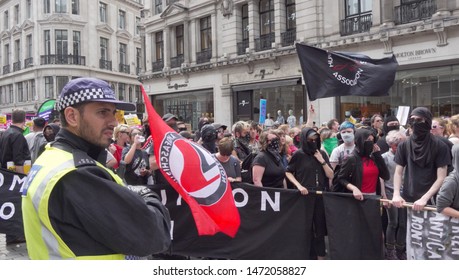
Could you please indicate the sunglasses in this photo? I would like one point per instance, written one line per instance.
(127, 132)
(134, 134)
(436, 126)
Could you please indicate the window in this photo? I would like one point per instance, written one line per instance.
(46, 6)
(17, 14)
(17, 50)
(32, 91)
(206, 33)
(76, 43)
(49, 87)
(137, 26)
(138, 58)
(103, 48)
(7, 55)
(29, 46)
(47, 42)
(61, 43)
(355, 7)
(20, 92)
(123, 57)
(75, 7)
(121, 19)
(102, 12)
(179, 39)
(266, 17)
(245, 22)
(291, 14)
(61, 81)
(60, 6)
(29, 8)
(6, 20)
(159, 45)
(11, 93)
(121, 91)
(158, 6)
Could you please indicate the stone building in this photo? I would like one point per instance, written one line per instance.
(219, 58)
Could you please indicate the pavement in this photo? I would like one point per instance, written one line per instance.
(12, 252)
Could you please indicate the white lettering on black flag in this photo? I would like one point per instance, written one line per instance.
(11, 185)
(432, 236)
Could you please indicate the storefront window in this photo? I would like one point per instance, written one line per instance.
(189, 107)
(435, 88)
(283, 97)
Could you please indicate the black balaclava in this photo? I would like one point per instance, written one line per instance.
(421, 142)
(361, 143)
(309, 147)
(386, 128)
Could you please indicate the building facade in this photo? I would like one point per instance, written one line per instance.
(219, 58)
(46, 43)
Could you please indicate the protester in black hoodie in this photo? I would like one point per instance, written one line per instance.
(390, 123)
(309, 170)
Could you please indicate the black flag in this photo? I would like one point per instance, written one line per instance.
(329, 74)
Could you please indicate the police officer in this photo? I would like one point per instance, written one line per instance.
(75, 208)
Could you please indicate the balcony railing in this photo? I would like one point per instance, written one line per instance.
(62, 59)
(125, 68)
(204, 56)
(157, 66)
(28, 62)
(6, 69)
(105, 64)
(264, 42)
(288, 37)
(242, 46)
(170, 2)
(177, 61)
(415, 11)
(356, 24)
(16, 66)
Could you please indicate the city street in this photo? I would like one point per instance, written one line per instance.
(12, 252)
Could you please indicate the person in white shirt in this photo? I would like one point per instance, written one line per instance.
(343, 151)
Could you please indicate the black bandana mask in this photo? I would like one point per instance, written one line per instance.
(274, 145)
(421, 129)
(393, 127)
(367, 148)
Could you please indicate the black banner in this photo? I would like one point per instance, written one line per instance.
(328, 73)
(11, 185)
(354, 227)
(275, 224)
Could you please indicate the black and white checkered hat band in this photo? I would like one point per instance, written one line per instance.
(83, 95)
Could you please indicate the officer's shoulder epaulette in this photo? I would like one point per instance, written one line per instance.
(81, 158)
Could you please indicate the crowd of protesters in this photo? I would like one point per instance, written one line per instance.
(371, 156)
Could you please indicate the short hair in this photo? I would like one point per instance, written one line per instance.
(39, 122)
(331, 122)
(325, 133)
(346, 124)
(395, 137)
(225, 146)
(79, 107)
(18, 116)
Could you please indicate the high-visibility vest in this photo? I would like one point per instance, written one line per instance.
(42, 240)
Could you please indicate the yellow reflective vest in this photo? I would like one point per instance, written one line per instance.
(42, 240)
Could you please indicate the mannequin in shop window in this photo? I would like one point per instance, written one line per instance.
(280, 119)
(291, 120)
(301, 120)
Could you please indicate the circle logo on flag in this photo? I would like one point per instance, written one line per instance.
(198, 172)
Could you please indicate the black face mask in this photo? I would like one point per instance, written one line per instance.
(393, 127)
(367, 148)
(421, 128)
(274, 145)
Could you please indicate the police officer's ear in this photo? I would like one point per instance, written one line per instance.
(72, 116)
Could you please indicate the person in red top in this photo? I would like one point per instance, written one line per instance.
(361, 171)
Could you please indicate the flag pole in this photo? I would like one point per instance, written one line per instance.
(406, 204)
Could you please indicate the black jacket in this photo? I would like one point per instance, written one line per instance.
(96, 216)
(352, 169)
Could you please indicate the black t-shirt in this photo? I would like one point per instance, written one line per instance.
(13, 147)
(274, 174)
(418, 180)
(308, 170)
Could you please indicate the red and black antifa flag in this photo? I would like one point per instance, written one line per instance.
(354, 227)
(196, 175)
(11, 184)
(329, 74)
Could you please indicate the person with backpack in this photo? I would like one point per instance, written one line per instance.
(36, 139)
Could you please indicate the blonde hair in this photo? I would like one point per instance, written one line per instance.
(120, 128)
